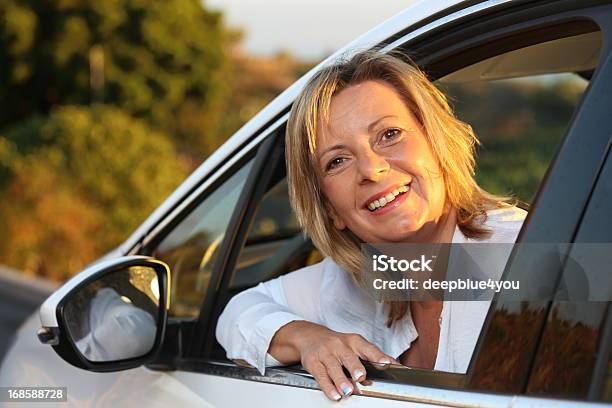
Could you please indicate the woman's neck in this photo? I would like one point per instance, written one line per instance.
(447, 227)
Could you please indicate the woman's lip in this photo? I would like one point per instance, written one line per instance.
(392, 205)
(384, 193)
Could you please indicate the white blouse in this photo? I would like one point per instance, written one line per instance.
(324, 293)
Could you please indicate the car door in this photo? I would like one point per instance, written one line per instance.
(451, 44)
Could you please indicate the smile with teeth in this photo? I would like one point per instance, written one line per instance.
(381, 202)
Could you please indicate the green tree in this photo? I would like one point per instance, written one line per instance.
(92, 177)
(162, 61)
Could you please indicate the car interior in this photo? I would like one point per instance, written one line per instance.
(578, 54)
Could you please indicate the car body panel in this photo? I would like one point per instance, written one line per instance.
(30, 363)
(143, 387)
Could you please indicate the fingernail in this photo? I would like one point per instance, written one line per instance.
(336, 396)
(358, 374)
(346, 389)
(384, 361)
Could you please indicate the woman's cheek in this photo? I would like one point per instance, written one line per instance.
(334, 192)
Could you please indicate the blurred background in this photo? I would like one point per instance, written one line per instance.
(108, 105)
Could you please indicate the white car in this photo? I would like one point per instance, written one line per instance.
(229, 226)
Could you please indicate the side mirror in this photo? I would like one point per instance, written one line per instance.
(111, 316)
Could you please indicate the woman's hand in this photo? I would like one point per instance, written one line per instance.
(324, 353)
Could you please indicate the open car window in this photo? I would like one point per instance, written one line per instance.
(519, 116)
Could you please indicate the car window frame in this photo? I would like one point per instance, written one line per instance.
(197, 357)
(254, 189)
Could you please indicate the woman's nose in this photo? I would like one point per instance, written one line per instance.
(371, 166)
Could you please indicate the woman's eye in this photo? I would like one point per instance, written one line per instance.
(333, 163)
(390, 134)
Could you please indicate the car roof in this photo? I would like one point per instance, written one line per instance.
(413, 14)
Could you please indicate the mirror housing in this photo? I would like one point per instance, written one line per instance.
(111, 316)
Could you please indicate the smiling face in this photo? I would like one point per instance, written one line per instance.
(377, 170)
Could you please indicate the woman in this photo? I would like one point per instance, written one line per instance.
(374, 154)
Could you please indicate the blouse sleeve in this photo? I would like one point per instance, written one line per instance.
(251, 318)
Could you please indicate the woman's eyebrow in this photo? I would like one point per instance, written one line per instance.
(373, 124)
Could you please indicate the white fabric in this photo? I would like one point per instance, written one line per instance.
(119, 330)
(324, 293)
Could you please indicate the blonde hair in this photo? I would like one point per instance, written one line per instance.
(451, 141)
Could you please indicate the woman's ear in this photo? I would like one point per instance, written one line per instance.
(338, 222)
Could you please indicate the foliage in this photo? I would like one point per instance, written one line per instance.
(79, 181)
(520, 124)
(257, 80)
(165, 62)
(75, 181)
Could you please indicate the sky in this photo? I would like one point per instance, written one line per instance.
(308, 29)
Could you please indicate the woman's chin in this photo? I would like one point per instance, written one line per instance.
(407, 231)
(403, 235)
